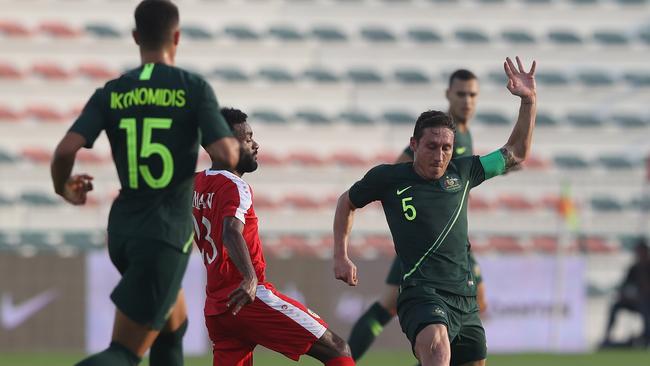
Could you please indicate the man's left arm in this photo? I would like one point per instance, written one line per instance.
(72, 188)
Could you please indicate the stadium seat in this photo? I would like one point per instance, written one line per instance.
(8, 71)
(285, 33)
(606, 204)
(6, 157)
(564, 37)
(537, 2)
(644, 35)
(385, 157)
(241, 33)
(629, 242)
(4, 200)
(545, 244)
(59, 30)
(515, 203)
(491, 2)
(265, 203)
(411, 76)
(584, 2)
(424, 35)
(398, 117)
(632, 2)
(329, 34)
(300, 202)
(229, 74)
(33, 198)
(505, 244)
(551, 78)
(493, 119)
(268, 116)
(85, 240)
(638, 78)
(518, 37)
(584, 119)
(37, 239)
(545, 119)
(535, 162)
(13, 29)
(320, 75)
(610, 38)
(95, 71)
(87, 156)
(196, 32)
(497, 77)
(348, 158)
(551, 202)
(305, 158)
(275, 74)
(616, 162)
(364, 76)
(266, 157)
(312, 116)
(641, 204)
(471, 36)
(8, 114)
(381, 243)
(476, 203)
(594, 244)
(50, 71)
(44, 113)
(356, 117)
(102, 30)
(628, 120)
(570, 162)
(377, 34)
(37, 155)
(595, 78)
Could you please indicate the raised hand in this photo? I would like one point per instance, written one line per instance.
(520, 82)
(76, 188)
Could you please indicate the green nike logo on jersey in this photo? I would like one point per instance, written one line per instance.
(400, 191)
(461, 150)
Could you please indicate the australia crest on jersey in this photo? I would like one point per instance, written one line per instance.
(450, 183)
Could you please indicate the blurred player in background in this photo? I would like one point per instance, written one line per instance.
(242, 309)
(634, 294)
(425, 204)
(153, 117)
(462, 94)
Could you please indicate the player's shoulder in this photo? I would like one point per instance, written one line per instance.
(462, 162)
(389, 172)
(221, 178)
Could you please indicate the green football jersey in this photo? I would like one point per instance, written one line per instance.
(428, 219)
(154, 117)
(463, 145)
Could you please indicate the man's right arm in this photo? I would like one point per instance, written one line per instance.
(224, 153)
(344, 269)
(217, 138)
(235, 245)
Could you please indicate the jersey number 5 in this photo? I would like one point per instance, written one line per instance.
(409, 210)
(147, 148)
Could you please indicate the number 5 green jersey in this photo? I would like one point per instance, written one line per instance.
(154, 117)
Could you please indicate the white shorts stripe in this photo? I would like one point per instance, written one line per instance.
(291, 311)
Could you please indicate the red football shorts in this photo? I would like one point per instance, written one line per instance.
(273, 320)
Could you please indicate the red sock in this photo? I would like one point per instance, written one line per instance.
(340, 361)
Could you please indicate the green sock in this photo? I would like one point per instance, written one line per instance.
(114, 355)
(367, 328)
(167, 350)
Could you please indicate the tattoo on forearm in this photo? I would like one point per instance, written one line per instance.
(509, 157)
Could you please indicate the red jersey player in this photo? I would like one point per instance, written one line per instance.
(242, 309)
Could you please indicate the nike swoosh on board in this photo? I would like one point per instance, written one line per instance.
(12, 315)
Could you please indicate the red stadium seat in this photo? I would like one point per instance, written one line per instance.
(301, 202)
(478, 245)
(8, 71)
(13, 29)
(515, 203)
(536, 162)
(296, 243)
(8, 114)
(551, 203)
(59, 30)
(476, 203)
(545, 243)
(269, 158)
(385, 157)
(37, 155)
(44, 114)
(506, 244)
(305, 158)
(264, 203)
(90, 157)
(348, 158)
(50, 71)
(96, 71)
(381, 243)
(594, 244)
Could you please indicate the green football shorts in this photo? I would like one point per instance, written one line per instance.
(419, 306)
(152, 271)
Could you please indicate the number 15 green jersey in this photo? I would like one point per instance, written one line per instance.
(154, 117)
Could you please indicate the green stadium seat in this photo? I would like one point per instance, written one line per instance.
(518, 36)
(285, 33)
(497, 77)
(399, 117)
(364, 76)
(584, 120)
(610, 38)
(629, 120)
(36, 239)
(473, 36)
(606, 204)
(312, 116)
(268, 116)
(241, 33)
(584, 2)
(7, 158)
(570, 162)
(196, 32)
(83, 239)
(320, 75)
(275, 74)
(564, 37)
(411, 76)
(355, 117)
(644, 35)
(537, 2)
(5, 201)
(493, 119)
(230, 74)
(641, 204)
(102, 30)
(632, 2)
(329, 34)
(629, 241)
(616, 162)
(38, 199)
(377, 34)
(491, 2)
(424, 35)
(595, 78)
(638, 78)
(552, 78)
(545, 119)
(445, 2)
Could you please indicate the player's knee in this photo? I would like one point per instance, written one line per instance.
(432, 344)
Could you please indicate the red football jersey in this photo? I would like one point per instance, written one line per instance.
(219, 194)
